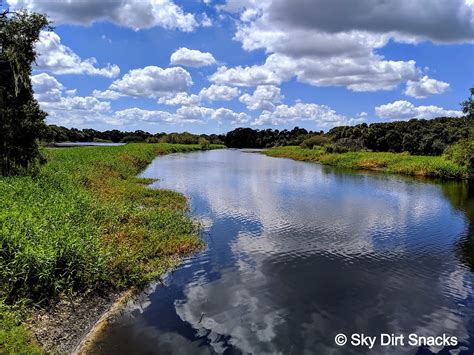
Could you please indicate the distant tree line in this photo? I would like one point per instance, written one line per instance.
(53, 133)
(254, 138)
(423, 137)
(416, 136)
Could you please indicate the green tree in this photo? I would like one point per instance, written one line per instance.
(21, 119)
(468, 105)
(204, 143)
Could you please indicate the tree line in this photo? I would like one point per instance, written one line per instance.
(416, 136)
(55, 134)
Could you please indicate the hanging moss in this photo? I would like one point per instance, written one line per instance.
(21, 119)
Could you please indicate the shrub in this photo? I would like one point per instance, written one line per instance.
(310, 142)
(152, 140)
(203, 143)
(132, 138)
(336, 148)
(462, 153)
(344, 145)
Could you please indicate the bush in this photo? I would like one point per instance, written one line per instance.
(344, 145)
(152, 140)
(132, 138)
(310, 142)
(336, 148)
(203, 143)
(462, 153)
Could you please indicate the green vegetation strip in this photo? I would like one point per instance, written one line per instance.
(401, 163)
(85, 223)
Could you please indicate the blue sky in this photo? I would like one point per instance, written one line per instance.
(210, 66)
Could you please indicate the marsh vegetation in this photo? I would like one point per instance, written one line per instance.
(85, 223)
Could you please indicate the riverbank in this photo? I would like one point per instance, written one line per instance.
(85, 226)
(400, 163)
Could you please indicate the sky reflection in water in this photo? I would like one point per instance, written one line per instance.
(298, 253)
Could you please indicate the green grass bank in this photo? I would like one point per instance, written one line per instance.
(85, 224)
(400, 163)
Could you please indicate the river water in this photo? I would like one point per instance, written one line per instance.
(297, 253)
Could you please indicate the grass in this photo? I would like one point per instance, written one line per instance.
(400, 163)
(85, 223)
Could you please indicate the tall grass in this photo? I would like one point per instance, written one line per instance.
(402, 163)
(85, 223)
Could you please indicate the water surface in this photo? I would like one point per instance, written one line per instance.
(298, 252)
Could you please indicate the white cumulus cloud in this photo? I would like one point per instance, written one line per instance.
(192, 58)
(225, 114)
(128, 13)
(263, 98)
(55, 57)
(47, 88)
(151, 82)
(180, 98)
(327, 43)
(245, 76)
(399, 110)
(184, 114)
(64, 106)
(425, 87)
(321, 116)
(219, 93)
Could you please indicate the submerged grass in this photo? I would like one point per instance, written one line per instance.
(85, 223)
(401, 163)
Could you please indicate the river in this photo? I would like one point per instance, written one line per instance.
(299, 252)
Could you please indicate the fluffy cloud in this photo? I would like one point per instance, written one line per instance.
(314, 42)
(192, 58)
(219, 93)
(425, 87)
(245, 76)
(63, 106)
(263, 98)
(371, 73)
(52, 95)
(180, 98)
(57, 58)
(298, 43)
(194, 113)
(135, 114)
(106, 94)
(212, 93)
(127, 13)
(321, 115)
(46, 88)
(406, 110)
(442, 21)
(77, 103)
(185, 114)
(151, 81)
(224, 114)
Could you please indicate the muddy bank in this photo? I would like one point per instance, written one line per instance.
(68, 326)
